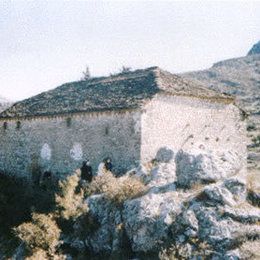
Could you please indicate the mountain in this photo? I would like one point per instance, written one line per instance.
(255, 49)
(239, 77)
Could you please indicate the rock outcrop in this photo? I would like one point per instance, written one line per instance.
(193, 205)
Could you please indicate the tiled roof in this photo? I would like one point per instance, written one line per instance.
(121, 91)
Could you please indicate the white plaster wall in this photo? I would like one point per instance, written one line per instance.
(54, 146)
(190, 123)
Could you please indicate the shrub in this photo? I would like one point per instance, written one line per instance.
(70, 199)
(38, 254)
(117, 189)
(256, 141)
(42, 255)
(125, 69)
(253, 188)
(186, 250)
(42, 233)
(253, 182)
(251, 127)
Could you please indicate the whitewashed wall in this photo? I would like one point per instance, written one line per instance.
(191, 124)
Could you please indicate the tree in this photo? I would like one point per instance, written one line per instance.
(86, 74)
(125, 69)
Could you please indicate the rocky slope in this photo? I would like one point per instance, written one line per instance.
(196, 204)
(239, 77)
(209, 214)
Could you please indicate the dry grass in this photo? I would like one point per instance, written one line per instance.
(38, 255)
(42, 233)
(115, 189)
(253, 181)
(70, 201)
(42, 255)
(201, 250)
(250, 250)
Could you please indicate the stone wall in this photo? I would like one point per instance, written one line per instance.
(60, 144)
(192, 125)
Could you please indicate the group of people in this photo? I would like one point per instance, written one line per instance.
(87, 172)
(46, 178)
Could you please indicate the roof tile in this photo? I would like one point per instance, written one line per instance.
(122, 91)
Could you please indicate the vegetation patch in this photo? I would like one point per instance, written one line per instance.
(70, 198)
(256, 141)
(115, 189)
(41, 233)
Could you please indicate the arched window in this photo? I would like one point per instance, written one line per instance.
(76, 152)
(46, 152)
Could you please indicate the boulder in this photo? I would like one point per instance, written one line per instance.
(210, 220)
(199, 166)
(147, 219)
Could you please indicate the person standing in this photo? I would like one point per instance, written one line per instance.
(108, 164)
(104, 166)
(86, 171)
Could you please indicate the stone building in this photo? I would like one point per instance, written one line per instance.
(128, 117)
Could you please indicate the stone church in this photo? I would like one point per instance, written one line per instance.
(128, 117)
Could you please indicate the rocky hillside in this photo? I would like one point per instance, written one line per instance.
(239, 77)
(182, 205)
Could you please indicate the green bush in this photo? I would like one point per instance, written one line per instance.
(256, 141)
(251, 127)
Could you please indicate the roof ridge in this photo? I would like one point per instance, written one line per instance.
(110, 78)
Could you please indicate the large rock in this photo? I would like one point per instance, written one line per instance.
(214, 216)
(107, 238)
(159, 175)
(220, 231)
(199, 166)
(148, 219)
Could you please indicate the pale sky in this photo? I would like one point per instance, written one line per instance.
(44, 44)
